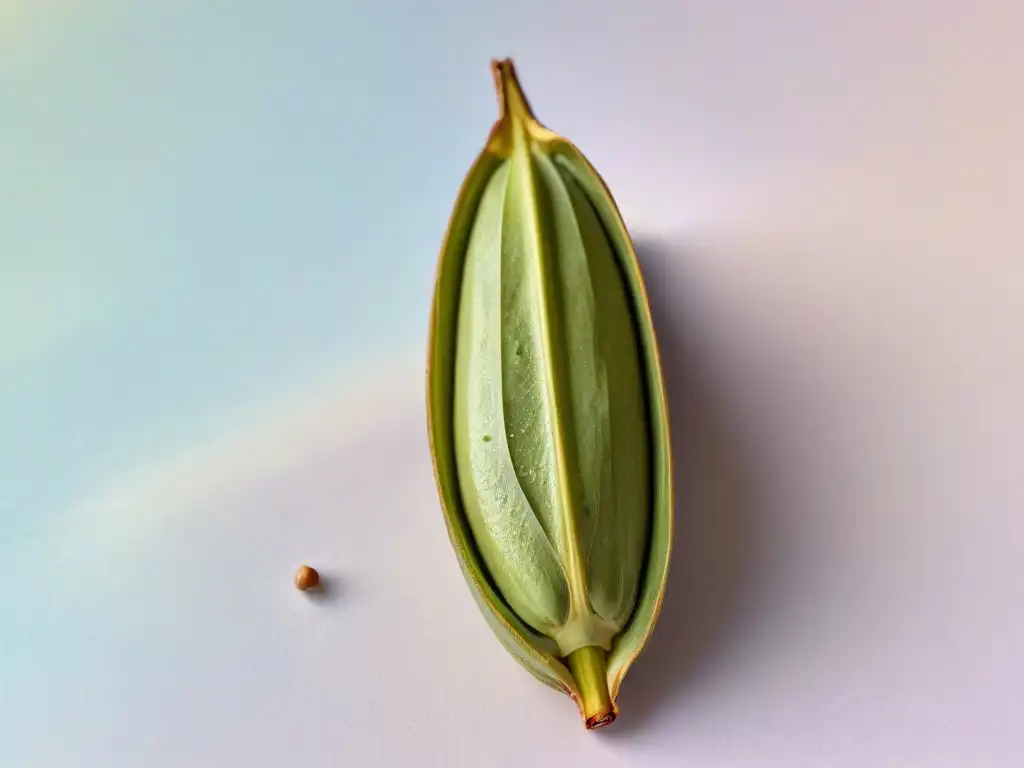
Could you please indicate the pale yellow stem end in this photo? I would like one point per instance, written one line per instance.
(590, 669)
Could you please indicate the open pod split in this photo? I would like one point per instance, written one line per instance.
(546, 411)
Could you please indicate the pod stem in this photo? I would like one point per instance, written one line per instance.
(589, 667)
(511, 99)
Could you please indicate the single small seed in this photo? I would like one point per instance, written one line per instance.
(487, 438)
(306, 578)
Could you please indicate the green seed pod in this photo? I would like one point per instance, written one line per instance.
(547, 416)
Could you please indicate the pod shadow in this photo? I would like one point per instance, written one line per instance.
(715, 511)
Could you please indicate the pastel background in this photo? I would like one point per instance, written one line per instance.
(218, 229)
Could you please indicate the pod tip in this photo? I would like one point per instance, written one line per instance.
(511, 99)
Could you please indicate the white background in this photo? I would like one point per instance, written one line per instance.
(218, 230)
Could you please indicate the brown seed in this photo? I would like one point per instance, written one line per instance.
(306, 578)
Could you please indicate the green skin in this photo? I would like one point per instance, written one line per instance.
(546, 412)
(550, 426)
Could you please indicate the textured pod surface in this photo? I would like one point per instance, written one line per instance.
(546, 411)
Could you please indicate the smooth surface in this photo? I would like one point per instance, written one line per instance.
(212, 330)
